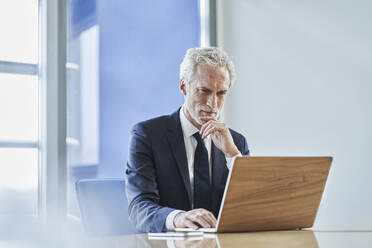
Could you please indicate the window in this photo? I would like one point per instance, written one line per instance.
(19, 107)
(92, 99)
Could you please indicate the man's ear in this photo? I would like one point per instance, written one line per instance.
(183, 87)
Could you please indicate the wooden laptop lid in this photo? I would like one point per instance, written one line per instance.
(273, 193)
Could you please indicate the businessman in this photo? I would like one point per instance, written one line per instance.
(178, 163)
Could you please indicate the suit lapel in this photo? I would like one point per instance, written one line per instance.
(176, 141)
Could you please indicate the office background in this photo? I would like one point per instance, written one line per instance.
(303, 88)
(303, 85)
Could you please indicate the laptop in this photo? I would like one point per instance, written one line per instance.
(271, 193)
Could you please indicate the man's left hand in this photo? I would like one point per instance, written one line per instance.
(220, 135)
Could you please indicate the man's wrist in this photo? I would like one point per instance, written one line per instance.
(232, 153)
(175, 219)
(169, 222)
(230, 161)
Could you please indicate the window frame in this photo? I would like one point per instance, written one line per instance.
(52, 111)
(18, 68)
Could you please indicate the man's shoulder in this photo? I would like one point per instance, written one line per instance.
(239, 139)
(154, 124)
(236, 134)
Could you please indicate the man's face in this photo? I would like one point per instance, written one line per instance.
(205, 95)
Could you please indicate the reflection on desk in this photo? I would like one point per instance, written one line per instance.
(272, 239)
(277, 239)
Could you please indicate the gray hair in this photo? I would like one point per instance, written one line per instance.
(212, 56)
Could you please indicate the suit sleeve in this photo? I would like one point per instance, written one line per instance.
(141, 187)
(240, 142)
(245, 150)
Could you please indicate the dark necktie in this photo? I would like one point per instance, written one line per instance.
(202, 186)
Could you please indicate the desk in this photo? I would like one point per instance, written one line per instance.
(274, 239)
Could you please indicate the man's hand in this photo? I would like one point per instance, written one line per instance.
(194, 219)
(220, 135)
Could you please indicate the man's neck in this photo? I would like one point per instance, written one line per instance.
(190, 119)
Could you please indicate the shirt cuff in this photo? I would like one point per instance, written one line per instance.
(169, 226)
(230, 161)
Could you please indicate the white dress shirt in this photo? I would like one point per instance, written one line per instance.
(188, 130)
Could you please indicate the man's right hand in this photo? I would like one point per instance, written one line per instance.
(195, 219)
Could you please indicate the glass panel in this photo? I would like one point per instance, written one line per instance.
(119, 75)
(18, 180)
(19, 30)
(18, 107)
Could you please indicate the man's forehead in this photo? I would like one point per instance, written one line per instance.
(205, 68)
(212, 74)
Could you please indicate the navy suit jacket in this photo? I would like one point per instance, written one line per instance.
(157, 177)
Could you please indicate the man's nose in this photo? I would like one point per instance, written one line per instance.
(212, 101)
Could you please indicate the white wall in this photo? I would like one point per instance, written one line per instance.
(304, 87)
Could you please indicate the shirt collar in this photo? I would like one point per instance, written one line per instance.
(188, 128)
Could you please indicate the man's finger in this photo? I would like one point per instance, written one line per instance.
(207, 118)
(204, 126)
(210, 218)
(191, 224)
(213, 219)
(210, 221)
(201, 220)
(198, 219)
(209, 131)
(207, 216)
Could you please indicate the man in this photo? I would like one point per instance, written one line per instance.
(178, 164)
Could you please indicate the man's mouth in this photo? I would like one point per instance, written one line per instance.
(207, 113)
